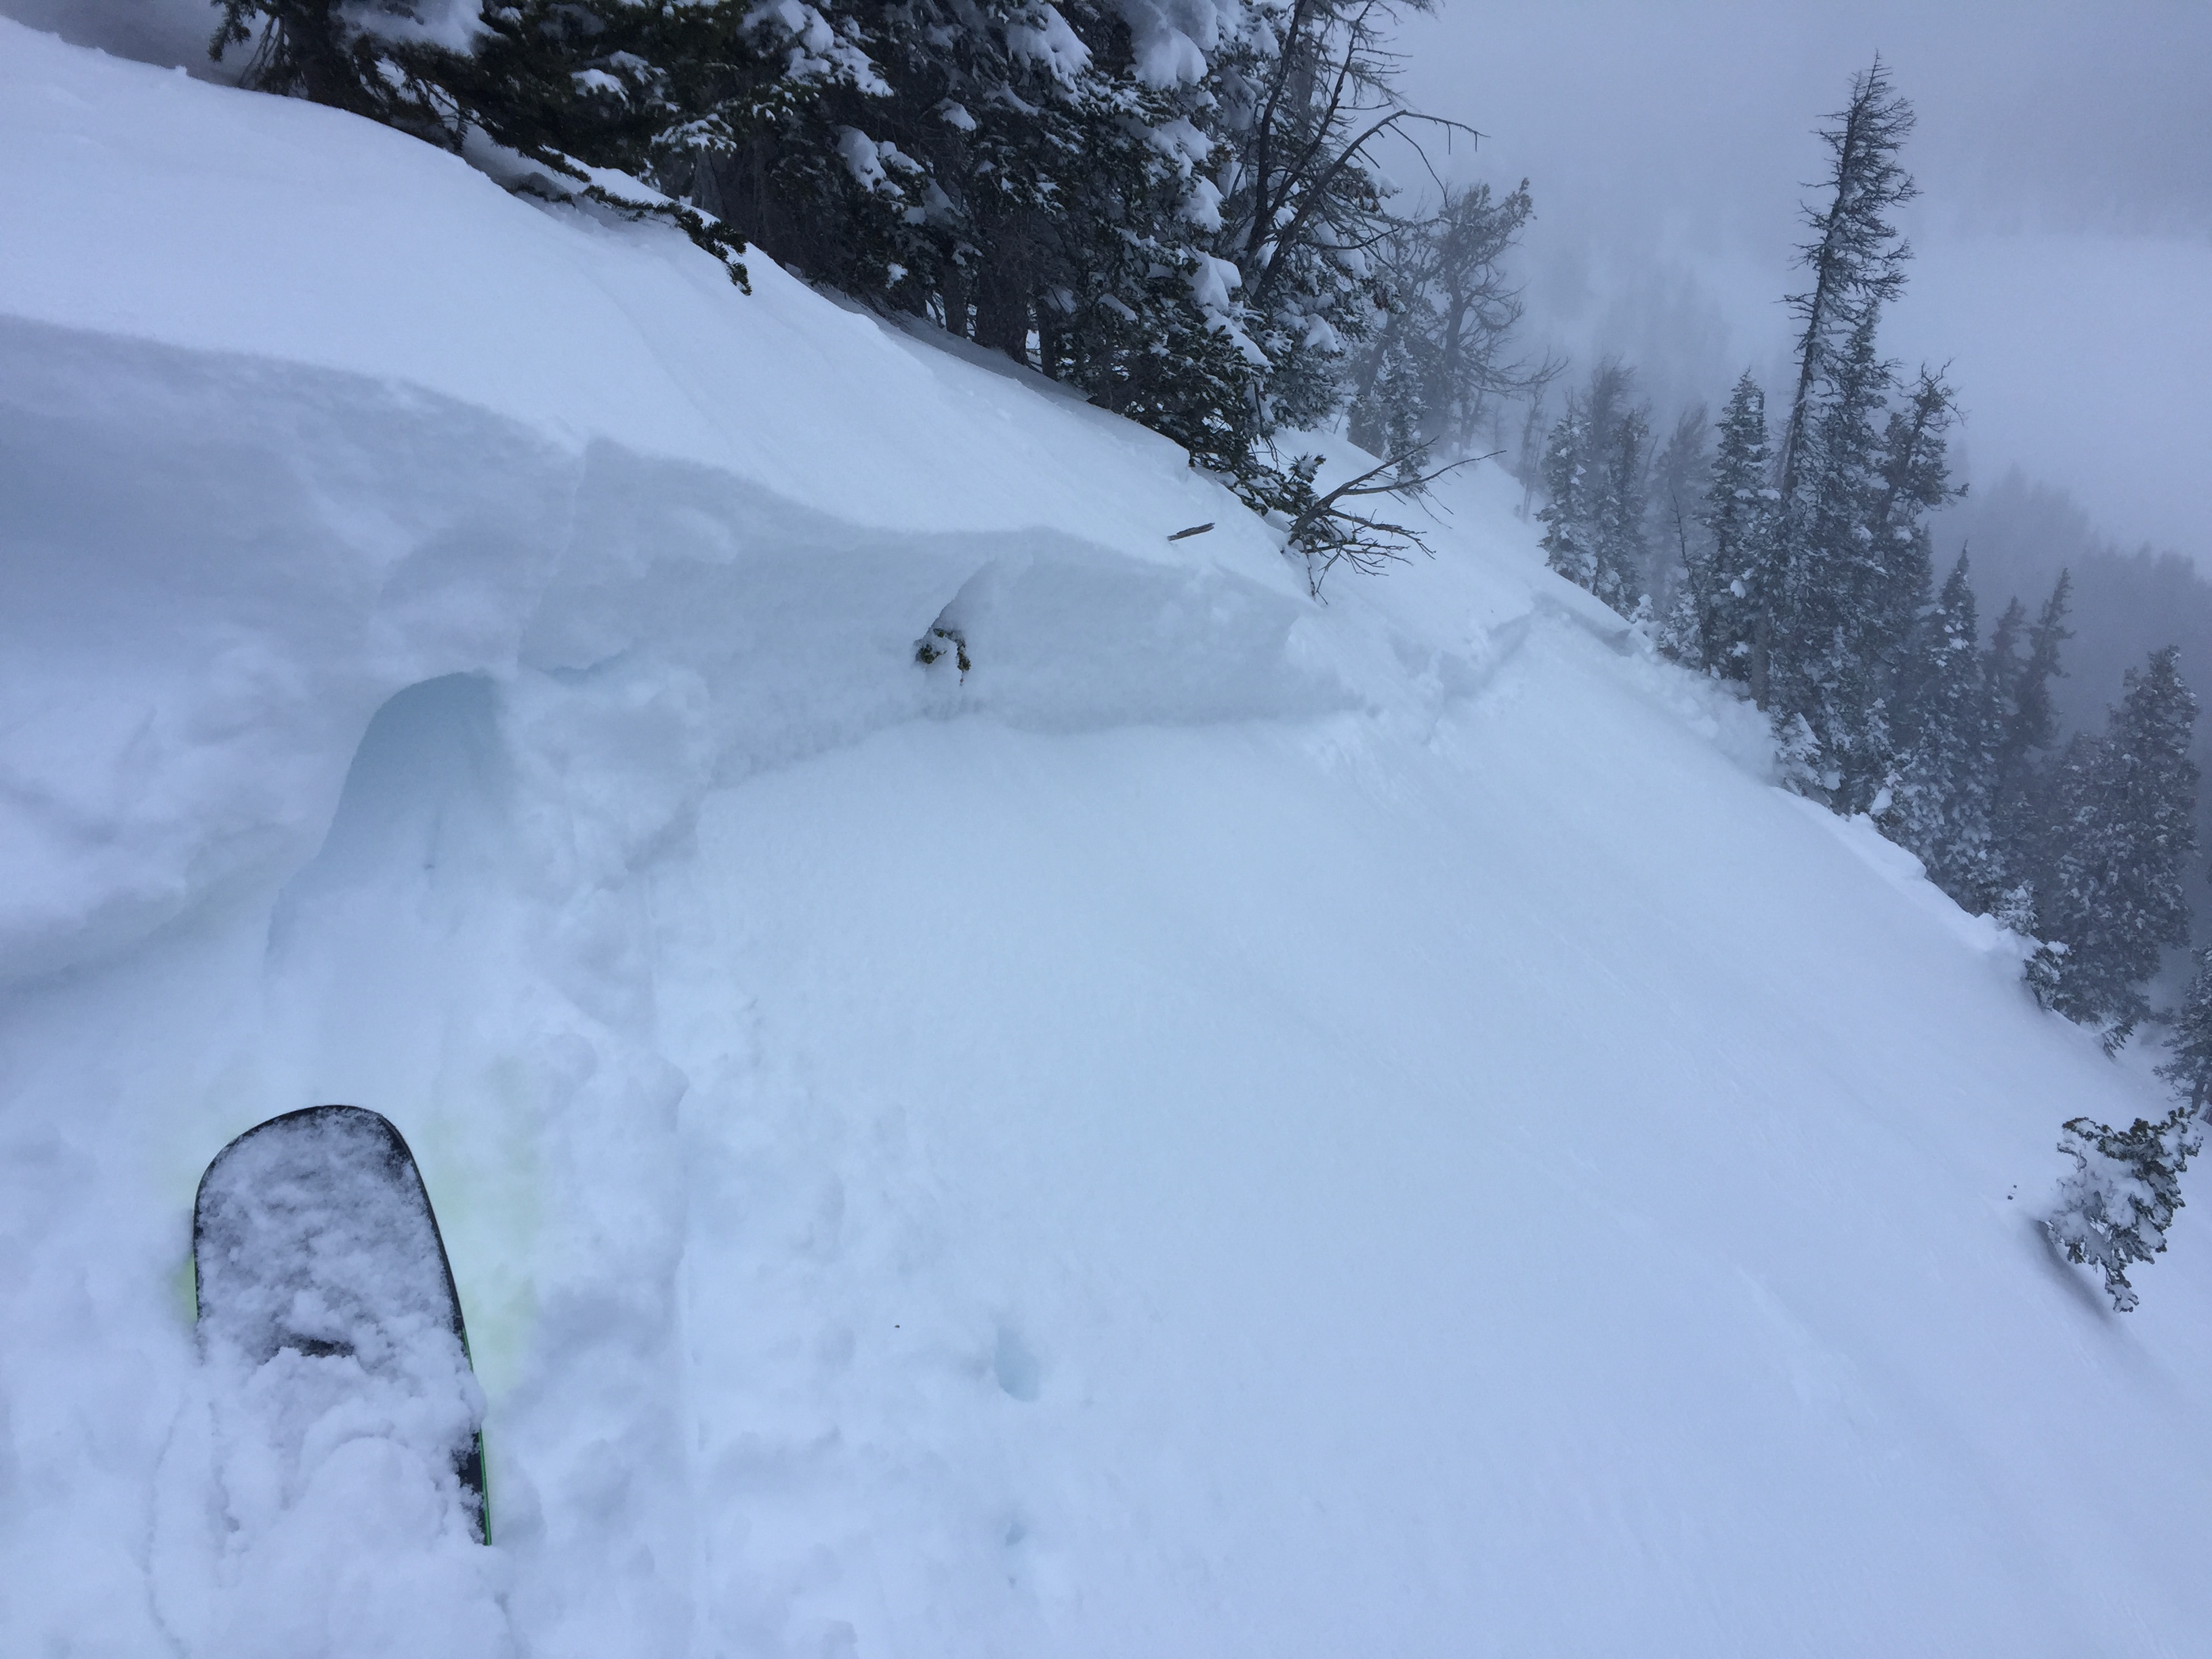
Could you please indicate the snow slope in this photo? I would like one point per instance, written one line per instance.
(1238, 1127)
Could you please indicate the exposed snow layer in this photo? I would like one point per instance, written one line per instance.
(1239, 1127)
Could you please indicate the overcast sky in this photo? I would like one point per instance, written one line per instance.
(2063, 232)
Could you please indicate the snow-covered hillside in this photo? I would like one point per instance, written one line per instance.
(1236, 1128)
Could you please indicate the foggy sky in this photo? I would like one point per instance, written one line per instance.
(2064, 232)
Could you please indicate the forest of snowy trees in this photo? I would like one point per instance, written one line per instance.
(1794, 556)
(1176, 209)
(1792, 553)
(1179, 210)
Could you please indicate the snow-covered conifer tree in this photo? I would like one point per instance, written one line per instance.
(1828, 643)
(1624, 460)
(2120, 830)
(1035, 178)
(613, 103)
(2035, 720)
(1393, 418)
(2003, 669)
(1916, 480)
(1732, 587)
(1941, 805)
(2024, 725)
(1594, 466)
(1681, 476)
(1568, 513)
(1857, 259)
(2116, 1205)
(1176, 213)
(2189, 1070)
(1825, 661)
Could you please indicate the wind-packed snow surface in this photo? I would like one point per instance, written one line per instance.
(1238, 1127)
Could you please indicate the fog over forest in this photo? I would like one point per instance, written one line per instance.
(2062, 234)
(2063, 238)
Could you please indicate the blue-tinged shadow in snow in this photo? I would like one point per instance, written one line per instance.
(422, 809)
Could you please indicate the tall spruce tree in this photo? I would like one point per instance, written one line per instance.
(1623, 461)
(2034, 720)
(1682, 476)
(1941, 808)
(1731, 587)
(1568, 513)
(1857, 259)
(2002, 667)
(2119, 831)
(2189, 1070)
(1827, 652)
(2024, 725)
(1827, 639)
(1022, 174)
(1916, 480)
(1595, 469)
(1392, 415)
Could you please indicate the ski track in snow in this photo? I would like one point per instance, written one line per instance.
(1236, 1126)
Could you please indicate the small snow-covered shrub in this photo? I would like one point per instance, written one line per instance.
(2114, 1207)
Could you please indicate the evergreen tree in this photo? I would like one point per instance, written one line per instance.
(2116, 1205)
(1681, 478)
(2120, 830)
(1568, 514)
(1392, 420)
(1731, 587)
(1827, 655)
(1915, 481)
(2189, 1070)
(1942, 805)
(1300, 95)
(610, 101)
(351, 59)
(2024, 725)
(2061, 845)
(1857, 261)
(1678, 640)
(1595, 467)
(1177, 214)
(1022, 174)
(2003, 669)
(1831, 634)
(1624, 460)
(2034, 720)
